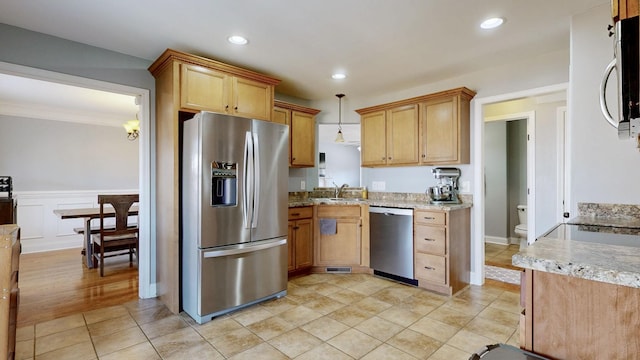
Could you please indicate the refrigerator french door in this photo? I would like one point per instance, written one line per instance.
(234, 213)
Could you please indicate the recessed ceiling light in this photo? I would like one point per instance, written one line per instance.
(338, 76)
(237, 40)
(492, 23)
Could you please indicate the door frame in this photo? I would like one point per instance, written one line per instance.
(563, 161)
(530, 117)
(146, 289)
(477, 236)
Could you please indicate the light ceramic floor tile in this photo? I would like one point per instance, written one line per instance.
(185, 343)
(450, 316)
(350, 315)
(501, 317)
(24, 349)
(400, 316)
(324, 328)
(469, 342)
(105, 314)
(251, 315)
(79, 351)
(371, 305)
(164, 326)
(488, 328)
(151, 314)
(379, 328)
(447, 352)
(57, 325)
(325, 288)
(434, 329)
(235, 342)
(263, 351)
(394, 294)
(299, 315)
(119, 340)
(61, 339)
(324, 352)
(27, 333)
(324, 305)
(270, 328)
(415, 344)
(386, 352)
(295, 342)
(142, 351)
(277, 306)
(111, 326)
(217, 327)
(346, 296)
(354, 343)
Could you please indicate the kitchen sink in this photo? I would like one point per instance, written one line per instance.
(341, 199)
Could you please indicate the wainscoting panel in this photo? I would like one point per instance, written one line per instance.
(42, 230)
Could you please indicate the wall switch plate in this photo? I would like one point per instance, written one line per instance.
(378, 185)
(303, 184)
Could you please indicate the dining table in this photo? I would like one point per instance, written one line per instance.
(89, 214)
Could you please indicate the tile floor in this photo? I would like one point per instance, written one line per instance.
(500, 255)
(323, 316)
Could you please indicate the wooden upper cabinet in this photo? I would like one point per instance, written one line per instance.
(426, 130)
(624, 9)
(302, 131)
(373, 133)
(252, 99)
(204, 89)
(402, 135)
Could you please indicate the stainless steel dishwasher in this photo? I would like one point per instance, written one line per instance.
(391, 237)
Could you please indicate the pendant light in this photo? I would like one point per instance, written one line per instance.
(339, 137)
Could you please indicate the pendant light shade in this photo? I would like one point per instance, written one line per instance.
(339, 137)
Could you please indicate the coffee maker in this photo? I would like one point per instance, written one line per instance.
(446, 191)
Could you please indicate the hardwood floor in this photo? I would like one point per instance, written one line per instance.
(55, 284)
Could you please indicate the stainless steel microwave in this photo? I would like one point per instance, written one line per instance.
(626, 63)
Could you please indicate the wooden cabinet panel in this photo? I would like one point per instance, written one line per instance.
(432, 268)
(302, 132)
(339, 211)
(252, 99)
(439, 131)
(430, 217)
(373, 133)
(574, 318)
(203, 89)
(300, 239)
(430, 239)
(303, 139)
(624, 9)
(9, 275)
(402, 135)
(342, 248)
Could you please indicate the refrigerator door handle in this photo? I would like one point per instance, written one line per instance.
(244, 249)
(256, 181)
(247, 181)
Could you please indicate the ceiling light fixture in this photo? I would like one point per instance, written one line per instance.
(338, 76)
(339, 137)
(237, 40)
(492, 23)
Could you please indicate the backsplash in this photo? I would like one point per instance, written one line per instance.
(609, 210)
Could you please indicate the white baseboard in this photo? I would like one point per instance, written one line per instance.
(496, 240)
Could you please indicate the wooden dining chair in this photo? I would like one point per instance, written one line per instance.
(119, 240)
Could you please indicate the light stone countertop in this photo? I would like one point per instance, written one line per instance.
(614, 264)
(422, 205)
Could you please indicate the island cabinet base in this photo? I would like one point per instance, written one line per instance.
(573, 318)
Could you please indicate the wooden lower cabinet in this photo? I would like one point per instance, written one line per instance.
(571, 318)
(9, 266)
(300, 240)
(442, 249)
(348, 246)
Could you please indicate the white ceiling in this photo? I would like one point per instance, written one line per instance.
(382, 45)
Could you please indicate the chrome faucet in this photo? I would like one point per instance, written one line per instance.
(338, 190)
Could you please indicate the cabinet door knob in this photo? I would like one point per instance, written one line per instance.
(424, 156)
(429, 218)
(296, 227)
(226, 107)
(429, 239)
(295, 214)
(235, 108)
(429, 268)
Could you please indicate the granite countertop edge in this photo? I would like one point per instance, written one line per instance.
(610, 221)
(613, 264)
(386, 203)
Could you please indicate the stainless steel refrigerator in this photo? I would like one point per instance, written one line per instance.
(234, 213)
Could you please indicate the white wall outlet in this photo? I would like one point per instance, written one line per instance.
(303, 184)
(378, 185)
(465, 187)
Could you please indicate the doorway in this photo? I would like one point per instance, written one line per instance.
(145, 262)
(542, 175)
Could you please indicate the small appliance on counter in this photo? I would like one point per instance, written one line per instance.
(446, 191)
(7, 203)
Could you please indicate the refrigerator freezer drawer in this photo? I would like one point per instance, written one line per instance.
(236, 277)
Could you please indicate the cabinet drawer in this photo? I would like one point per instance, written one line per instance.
(430, 239)
(429, 217)
(329, 211)
(432, 268)
(304, 212)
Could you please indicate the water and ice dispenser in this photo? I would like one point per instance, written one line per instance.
(224, 184)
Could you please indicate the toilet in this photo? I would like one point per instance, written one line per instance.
(521, 228)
